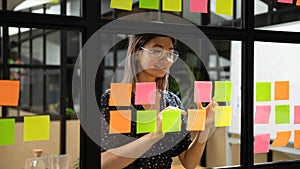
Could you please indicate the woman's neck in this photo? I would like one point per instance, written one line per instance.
(144, 77)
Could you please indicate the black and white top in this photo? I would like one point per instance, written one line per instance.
(161, 153)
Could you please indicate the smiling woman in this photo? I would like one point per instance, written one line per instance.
(149, 59)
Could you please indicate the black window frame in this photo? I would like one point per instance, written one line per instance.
(91, 21)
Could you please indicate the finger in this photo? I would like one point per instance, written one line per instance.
(199, 105)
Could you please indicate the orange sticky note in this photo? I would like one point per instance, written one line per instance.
(120, 94)
(297, 139)
(196, 119)
(9, 92)
(298, 3)
(282, 89)
(120, 121)
(282, 138)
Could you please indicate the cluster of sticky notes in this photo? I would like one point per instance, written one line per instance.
(146, 121)
(289, 2)
(262, 141)
(120, 93)
(224, 7)
(9, 90)
(281, 91)
(36, 128)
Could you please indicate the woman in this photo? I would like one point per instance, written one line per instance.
(149, 58)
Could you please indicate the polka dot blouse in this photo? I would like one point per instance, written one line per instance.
(160, 154)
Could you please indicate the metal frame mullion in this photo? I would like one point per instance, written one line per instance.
(63, 95)
(5, 55)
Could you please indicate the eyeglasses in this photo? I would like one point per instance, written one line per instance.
(158, 53)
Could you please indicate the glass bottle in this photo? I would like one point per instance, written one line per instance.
(37, 162)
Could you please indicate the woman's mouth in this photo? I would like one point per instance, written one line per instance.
(162, 67)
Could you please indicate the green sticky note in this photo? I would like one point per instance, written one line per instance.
(263, 91)
(146, 121)
(223, 116)
(171, 121)
(223, 91)
(36, 128)
(149, 4)
(282, 114)
(7, 131)
(224, 7)
(172, 5)
(121, 4)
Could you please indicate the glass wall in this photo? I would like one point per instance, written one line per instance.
(211, 18)
(276, 119)
(276, 16)
(73, 7)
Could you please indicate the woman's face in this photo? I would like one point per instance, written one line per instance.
(152, 62)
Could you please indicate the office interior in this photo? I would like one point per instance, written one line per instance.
(40, 43)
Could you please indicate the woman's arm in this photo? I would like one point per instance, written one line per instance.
(123, 156)
(190, 158)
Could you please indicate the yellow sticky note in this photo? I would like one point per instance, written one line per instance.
(223, 116)
(36, 128)
(172, 5)
(196, 119)
(120, 121)
(121, 4)
(224, 7)
(120, 94)
(282, 138)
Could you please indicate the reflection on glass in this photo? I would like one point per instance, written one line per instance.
(74, 7)
(37, 50)
(276, 62)
(53, 91)
(37, 94)
(73, 46)
(276, 16)
(53, 48)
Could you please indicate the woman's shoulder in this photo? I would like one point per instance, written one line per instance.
(106, 94)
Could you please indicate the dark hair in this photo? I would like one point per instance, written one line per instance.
(131, 66)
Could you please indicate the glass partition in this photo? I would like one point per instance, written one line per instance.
(276, 116)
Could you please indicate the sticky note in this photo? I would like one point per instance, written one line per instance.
(146, 121)
(120, 94)
(282, 114)
(196, 119)
(282, 138)
(297, 139)
(171, 121)
(298, 3)
(262, 143)
(223, 116)
(297, 115)
(282, 90)
(223, 91)
(262, 114)
(36, 128)
(120, 121)
(121, 4)
(172, 5)
(9, 90)
(224, 7)
(202, 91)
(286, 1)
(149, 4)
(7, 131)
(263, 91)
(198, 6)
(145, 93)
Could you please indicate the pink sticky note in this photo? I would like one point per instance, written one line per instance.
(198, 6)
(145, 93)
(262, 114)
(202, 91)
(262, 143)
(286, 1)
(297, 115)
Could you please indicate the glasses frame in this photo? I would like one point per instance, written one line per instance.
(162, 52)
